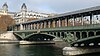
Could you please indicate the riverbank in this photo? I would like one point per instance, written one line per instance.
(35, 42)
(8, 42)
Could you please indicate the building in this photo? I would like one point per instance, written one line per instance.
(4, 11)
(23, 15)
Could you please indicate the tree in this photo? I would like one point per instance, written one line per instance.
(5, 22)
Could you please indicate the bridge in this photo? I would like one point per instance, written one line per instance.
(77, 28)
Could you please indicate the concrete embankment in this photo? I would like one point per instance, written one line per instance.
(8, 42)
(35, 42)
(8, 36)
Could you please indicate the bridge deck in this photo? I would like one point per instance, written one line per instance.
(69, 28)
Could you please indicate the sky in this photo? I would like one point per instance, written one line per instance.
(50, 6)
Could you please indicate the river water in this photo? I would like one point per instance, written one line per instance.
(33, 50)
(29, 50)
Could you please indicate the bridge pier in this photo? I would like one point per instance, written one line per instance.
(79, 50)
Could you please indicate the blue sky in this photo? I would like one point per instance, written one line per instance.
(50, 6)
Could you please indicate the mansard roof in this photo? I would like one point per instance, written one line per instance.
(24, 6)
(5, 4)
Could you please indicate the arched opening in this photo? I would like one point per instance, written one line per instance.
(91, 34)
(55, 33)
(58, 34)
(39, 37)
(62, 34)
(78, 35)
(84, 34)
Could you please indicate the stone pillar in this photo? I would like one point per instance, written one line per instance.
(21, 27)
(24, 27)
(65, 22)
(44, 24)
(73, 21)
(53, 24)
(49, 24)
(34, 25)
(31, 26)
(82, 19)
(37, 26)
(28, 27)
(91, 17)
(59, 23)
(41, 24)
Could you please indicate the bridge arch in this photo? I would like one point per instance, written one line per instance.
(19, 37)
(39, 37)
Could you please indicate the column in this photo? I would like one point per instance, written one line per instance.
(41, 25)
(82, 19)
(25, 26)
(91, 18)
(21, 27)
(28, 26)
(53, 24)
(31, 26)
(34, 25)
(44, 24)
(49, 24)
(73, 21)
(65, 22)
(37, 26)
(59, 23)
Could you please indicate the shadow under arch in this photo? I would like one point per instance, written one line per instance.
(38, 36)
